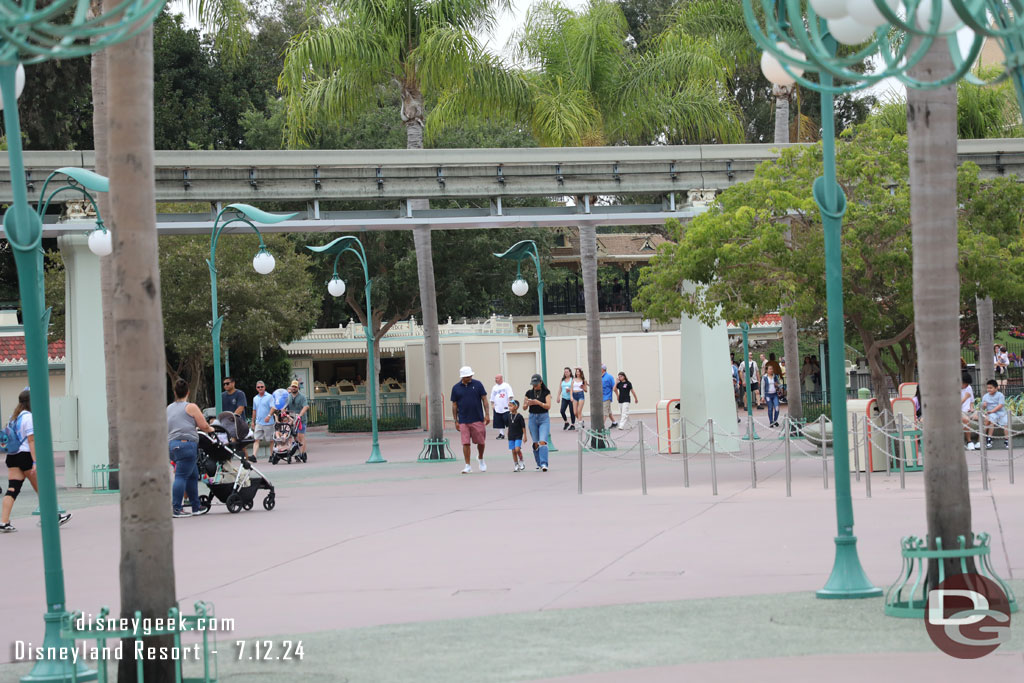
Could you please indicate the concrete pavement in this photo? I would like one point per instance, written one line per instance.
(412, 572)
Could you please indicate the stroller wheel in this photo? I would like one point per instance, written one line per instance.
(303, 457)
(205, 502)
(273, 459)
(269, 502)
(248, 505)
(234, 503)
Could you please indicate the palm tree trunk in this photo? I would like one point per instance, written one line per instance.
(147, 548)
(790, 342)
(984, 365)
(412, 116)
(98, 73)
(931, 126)
(588, 258)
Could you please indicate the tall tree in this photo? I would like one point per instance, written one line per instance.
(412, 46)
(931, 124)
(147, 548)
(982, 112)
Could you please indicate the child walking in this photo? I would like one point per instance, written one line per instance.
(516, 435)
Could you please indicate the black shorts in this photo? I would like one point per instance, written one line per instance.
(21, 460)
(501, 420)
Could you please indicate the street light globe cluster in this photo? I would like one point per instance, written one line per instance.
(890, 36)
(19, 84)
(520, 287)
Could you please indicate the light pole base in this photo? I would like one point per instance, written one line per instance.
(848, 580)
(375, 455)
(57, 670)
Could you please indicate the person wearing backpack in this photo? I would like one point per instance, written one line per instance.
(20, 447)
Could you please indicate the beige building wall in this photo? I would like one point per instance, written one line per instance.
(12, 384)
(651, 360)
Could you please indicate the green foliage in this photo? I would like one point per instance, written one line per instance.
(981, 111)
(415, 47)
(363, 424)
(739, 265)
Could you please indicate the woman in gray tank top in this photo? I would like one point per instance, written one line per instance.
(183, 418)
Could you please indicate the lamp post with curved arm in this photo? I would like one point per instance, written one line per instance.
(336, 287)
(32, 32)
(527, 249)
(262, 263)
(798, 37)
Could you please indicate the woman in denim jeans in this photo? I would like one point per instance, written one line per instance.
(183, 419)
(538, 400)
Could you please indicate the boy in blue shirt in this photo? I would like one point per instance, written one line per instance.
(607, 389)
(993, 409)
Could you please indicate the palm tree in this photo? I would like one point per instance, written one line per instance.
(147, 551)
(982, 112)
(931, 122)
(418, 48)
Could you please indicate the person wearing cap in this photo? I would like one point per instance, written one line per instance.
(471, 415)
(538, 401)
(298, 406)
(607, 391)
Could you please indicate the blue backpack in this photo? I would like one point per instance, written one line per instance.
(10, 439)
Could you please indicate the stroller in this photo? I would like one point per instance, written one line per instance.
(286, 443)
(224, 469)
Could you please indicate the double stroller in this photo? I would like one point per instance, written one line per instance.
(227, 473)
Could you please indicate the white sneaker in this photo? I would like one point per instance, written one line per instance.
(543, 468)
(483, 466)
(971, 446)
(467, 469)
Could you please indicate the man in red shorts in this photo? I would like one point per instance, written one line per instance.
(469, 410)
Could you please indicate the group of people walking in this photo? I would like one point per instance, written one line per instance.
(472, 407)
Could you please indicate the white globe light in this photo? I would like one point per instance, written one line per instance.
(948, 20)
(263, 263)
(830, 9)
(849, 31)
(19, 85)
(867, 13)
(100, 242)
(520, 287)
(772, 68)
(336, 287)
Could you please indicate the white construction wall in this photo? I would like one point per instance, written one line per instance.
(650, 360)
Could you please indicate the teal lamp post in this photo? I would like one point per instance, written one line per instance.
(894, 41)
(262, 263)
(336, 287)
(527, 249)
(29, 34)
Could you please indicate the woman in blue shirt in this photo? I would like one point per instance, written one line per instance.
(567, 402)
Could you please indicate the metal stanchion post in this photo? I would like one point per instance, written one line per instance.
(856, 451)
(789, 463)
(685, 451)
(753, 462)
(579, 461)
(824, 458)
(1009, 446)
(711, 447)
(868, 465)
(643, 465)
(902, 451)
(982, 443)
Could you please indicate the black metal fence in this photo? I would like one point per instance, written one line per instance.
(344, 416)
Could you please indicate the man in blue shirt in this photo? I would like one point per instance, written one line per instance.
(469, 410)
(607, 388)
(262, 420)
(233, 401)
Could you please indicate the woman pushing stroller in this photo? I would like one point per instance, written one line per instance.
(183, 419)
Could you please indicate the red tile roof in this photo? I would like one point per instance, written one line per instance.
(12, 350)
(768, 320)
